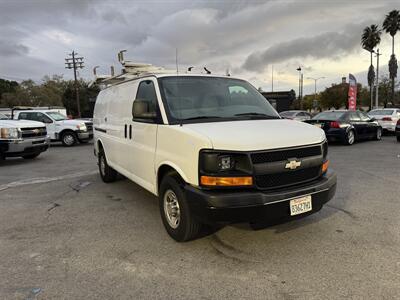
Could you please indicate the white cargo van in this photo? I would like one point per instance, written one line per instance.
(212, 149)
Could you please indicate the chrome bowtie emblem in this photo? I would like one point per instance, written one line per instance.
(36, 131)
(293, 164)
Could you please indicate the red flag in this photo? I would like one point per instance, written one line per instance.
(352, 95)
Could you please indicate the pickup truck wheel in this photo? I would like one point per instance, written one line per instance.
(69, 138)
(107, 173)
(31, 156)
(175, 212)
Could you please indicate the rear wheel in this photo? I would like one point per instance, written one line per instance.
(398, 138)
(107, 173)
(31, 156)
(69, 138)
(350, 137)
(378, 135)
(177, 218)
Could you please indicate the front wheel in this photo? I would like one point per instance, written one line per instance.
(69, 138)
(350, 137)
(177, 218)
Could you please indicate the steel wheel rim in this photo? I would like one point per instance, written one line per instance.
(350, 137)
(172, 211)
(103, 165)
(68, 139)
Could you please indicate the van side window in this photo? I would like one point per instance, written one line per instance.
(145, 104)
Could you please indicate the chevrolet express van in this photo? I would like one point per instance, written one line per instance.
(212, 149)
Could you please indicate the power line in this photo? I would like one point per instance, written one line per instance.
(74, 62)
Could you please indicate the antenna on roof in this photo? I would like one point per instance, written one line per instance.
(121, 56)
(95, 70)
(208, 71)
(176, 61)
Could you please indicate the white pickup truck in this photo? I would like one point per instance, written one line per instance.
(59, 127)
(212, 149)
(20, 138)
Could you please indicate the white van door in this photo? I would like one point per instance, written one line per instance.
(141, 133)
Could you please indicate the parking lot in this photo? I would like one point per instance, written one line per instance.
(65, 234)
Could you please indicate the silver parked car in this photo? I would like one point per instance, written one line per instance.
(387, 117)
(298, 115)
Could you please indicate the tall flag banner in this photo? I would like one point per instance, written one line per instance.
(352, 95)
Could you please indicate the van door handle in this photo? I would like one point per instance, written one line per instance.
(105, 119)
(130, 132)
(126, 129)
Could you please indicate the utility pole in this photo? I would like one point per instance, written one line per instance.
(377, 78)
(75, 62)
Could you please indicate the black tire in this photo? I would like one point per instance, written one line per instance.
(31, 156)
(398, 138)
(350, 137)
(107, 173)
(188, 227)
(378, 135)
(69, 138)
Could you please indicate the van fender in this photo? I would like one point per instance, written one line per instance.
(173, 166)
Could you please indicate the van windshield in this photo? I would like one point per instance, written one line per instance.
(191, 99)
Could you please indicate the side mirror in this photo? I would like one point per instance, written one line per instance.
(372, 119)
(46, 121)
(142, 110)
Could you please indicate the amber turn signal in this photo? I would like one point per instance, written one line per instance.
(325, 166)
(226, 181)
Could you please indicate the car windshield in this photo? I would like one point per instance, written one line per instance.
(288, 113)
(3, 117)
(329, 115)
(195, 98)
(56, 116)
(381, 112)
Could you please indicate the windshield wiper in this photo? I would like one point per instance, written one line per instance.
(201, 117)
(257, 115)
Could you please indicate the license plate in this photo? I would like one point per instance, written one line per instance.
(300, 205)
(318, 125)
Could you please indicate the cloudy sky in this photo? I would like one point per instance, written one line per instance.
(246, 37)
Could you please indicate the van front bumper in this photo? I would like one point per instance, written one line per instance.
(15, 148)
(256, 206)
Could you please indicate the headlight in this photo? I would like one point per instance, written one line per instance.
(81, 127)
(224, 169)
(9, 133)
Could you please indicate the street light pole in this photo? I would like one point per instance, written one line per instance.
(315, 85)
(377, 78)
(300, 89)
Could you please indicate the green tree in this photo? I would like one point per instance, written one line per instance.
(391, 25)
(370, 38)
(7, 86)
(334, 96)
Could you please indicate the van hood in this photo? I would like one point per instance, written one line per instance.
(20, 124)
(256, 135)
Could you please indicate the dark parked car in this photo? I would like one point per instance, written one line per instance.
(398, 130)
(347, 126)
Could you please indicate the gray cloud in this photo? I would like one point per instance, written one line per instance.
(325, 45)
(7, 49)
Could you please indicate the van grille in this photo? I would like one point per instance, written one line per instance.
(280, 155)
(33, 132)
(89, 126)
(278, 180)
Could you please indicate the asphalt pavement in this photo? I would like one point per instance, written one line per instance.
(64, 234)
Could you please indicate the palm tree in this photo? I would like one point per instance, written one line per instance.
(391, 25)
(371, 37)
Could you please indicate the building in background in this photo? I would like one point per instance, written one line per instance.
(281, 101)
